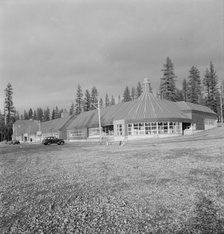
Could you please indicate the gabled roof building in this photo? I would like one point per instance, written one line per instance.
(35, 131)
(144, 117)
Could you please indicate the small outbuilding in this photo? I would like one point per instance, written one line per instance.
(35, 131)
(26, 130)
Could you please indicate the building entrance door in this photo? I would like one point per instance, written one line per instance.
(185, 126)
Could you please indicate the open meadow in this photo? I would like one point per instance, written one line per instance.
(171, 185)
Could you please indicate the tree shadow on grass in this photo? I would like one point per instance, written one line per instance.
(205, 219)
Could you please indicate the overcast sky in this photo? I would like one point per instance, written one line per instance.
(47, 47)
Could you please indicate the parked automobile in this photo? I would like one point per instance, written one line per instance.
(52, 140)
(14, 142)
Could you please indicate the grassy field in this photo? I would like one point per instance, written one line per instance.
(171, 185)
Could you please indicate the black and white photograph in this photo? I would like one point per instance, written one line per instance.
(111, 116)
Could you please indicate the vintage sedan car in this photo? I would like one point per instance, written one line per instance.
(52, 140)
(14, 142)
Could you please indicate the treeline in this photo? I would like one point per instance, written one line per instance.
(41, 114)
(89, 99)
(205, 91)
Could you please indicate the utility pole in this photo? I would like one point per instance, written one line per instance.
(99, 119)
(221, 114)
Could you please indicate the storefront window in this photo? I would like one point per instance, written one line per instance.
(148, 128)
(108, 130)
(154, 128)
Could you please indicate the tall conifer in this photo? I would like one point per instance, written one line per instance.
(94, 99)
(9, 111)
(126, 95)
(167, 84)
(72, 109)
(138, 90)
(112, 101)
(87, 101)
(184, 89)
(79, 100)
(210, 82)
(194, 85)
(107, 100)
(9, 107)
(30, 113)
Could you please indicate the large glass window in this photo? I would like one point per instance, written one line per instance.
(148, 128)
(165, 127)
(141, 128)
(108, 130)
(94, 132)
(154, 128)
(77, 133)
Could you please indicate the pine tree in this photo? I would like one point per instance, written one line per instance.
(184, 89)
(107, 101)
(46, 114)
(194, 85)
(112, 101)
(167, 84)
(17, 116)
(133, 93)
(9, 111)
(87, 101)
(30, 113)
(101, 103)
(221, 100)
(61, 112)
(9, 107)
(53, 114)
(179, 95)
(57, 113)
(25, 115)
(139, 89)
(72, 109)
(126, 95)
(79, 100)
(94, 99)
(40, 114)
(210, 82)
(35, 115)
(2, 128)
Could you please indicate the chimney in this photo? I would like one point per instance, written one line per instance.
(64, 113)
(147, 86)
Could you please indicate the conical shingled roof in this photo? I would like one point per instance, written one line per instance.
(148, 107)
